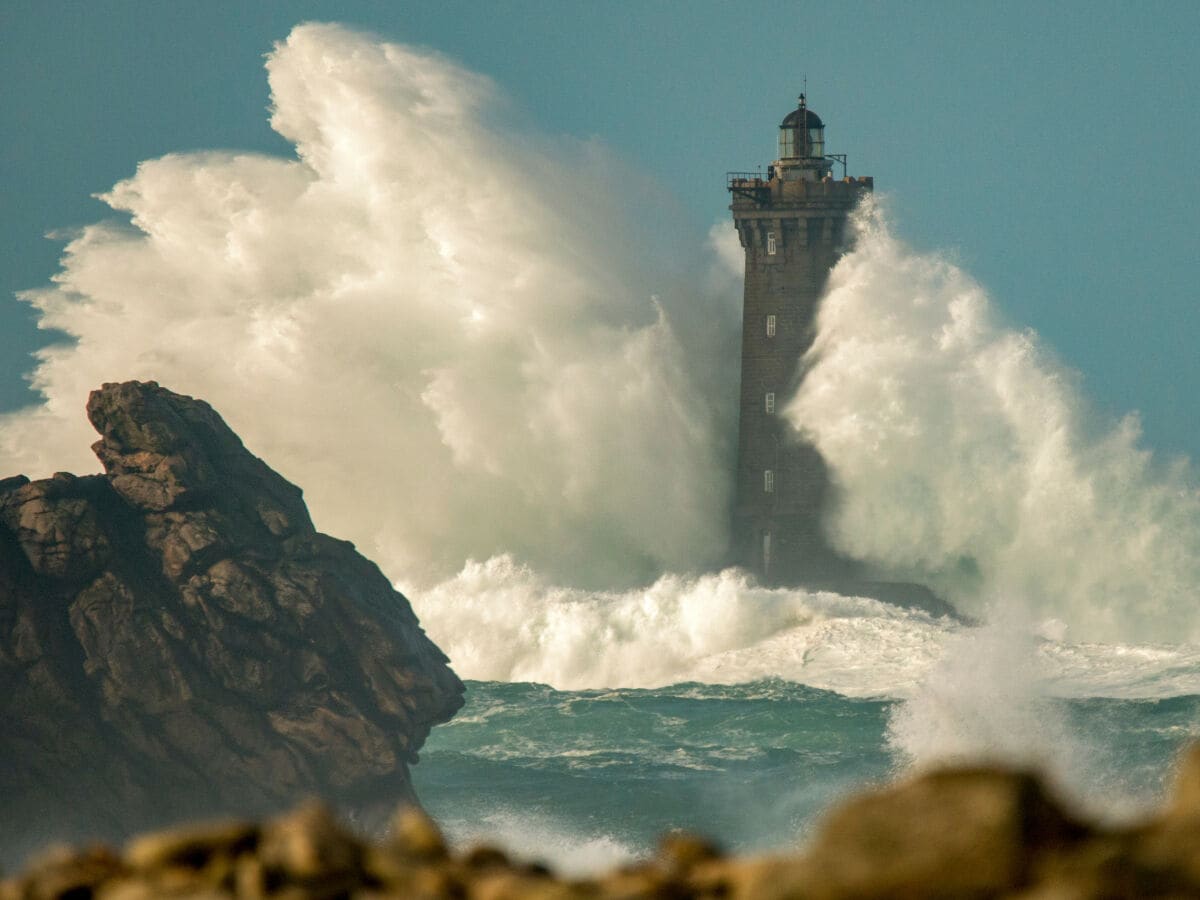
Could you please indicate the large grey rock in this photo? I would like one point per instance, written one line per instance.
(177, 639)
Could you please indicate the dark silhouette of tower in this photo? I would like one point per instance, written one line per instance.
(793, 226)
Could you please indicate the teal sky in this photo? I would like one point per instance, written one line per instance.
(1049, 148)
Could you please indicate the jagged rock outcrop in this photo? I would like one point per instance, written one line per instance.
(176, 638)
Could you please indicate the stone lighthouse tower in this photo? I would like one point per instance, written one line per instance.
(793, 226)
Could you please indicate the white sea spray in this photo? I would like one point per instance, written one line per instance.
(458, 338)
(965, 456)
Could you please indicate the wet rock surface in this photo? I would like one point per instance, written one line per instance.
(974, 833)
(177, 638)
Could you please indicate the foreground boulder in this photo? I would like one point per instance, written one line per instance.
(176, 639)
(971, 833)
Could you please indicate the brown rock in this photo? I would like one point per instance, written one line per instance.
(485, 856)
(509, 885)
(680, 851)
(192, 847)
(176, 638)
(960, 833)
(1184, 799)
(1100, 867)
(309, 845)
(1163, 852)
(55, 523)
(65, 873)
(416, 835)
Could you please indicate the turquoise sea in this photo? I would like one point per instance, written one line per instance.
(586, 778)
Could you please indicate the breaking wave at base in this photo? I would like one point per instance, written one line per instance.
(1003, 693)
(501, 621)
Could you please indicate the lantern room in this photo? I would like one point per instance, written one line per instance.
(802, 134)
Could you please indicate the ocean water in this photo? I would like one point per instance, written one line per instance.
(591, 778)
(588, 778)
(743, 713)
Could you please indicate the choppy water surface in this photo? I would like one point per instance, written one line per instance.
(588, 778)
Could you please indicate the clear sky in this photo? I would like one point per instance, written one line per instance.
(1048, 147)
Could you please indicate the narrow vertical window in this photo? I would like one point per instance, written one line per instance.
(770, 403)
(766, 550)
(768, 481)
(770, 243)
(770, 326)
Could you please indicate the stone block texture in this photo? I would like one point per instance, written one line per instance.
(793, 234)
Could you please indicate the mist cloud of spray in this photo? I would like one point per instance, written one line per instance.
(986, 701)
(965, 457)
(457, 339)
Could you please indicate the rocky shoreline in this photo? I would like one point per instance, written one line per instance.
(949, 834)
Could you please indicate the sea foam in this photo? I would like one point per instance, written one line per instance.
(501, 621)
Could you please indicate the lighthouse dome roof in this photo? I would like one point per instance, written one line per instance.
(811, 119)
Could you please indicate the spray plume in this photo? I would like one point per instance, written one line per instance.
(453, 337)
(964, 456)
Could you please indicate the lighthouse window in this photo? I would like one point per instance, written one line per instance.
(816, 142)
(770, 326)
(766, 549)
(770, 243)
(770, 403)
(768, 481)
(787, 143)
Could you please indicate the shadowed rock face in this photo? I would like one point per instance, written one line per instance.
(177, 639)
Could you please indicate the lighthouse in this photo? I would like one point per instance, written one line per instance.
(793, 226)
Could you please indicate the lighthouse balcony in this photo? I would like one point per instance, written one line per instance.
(748, 184)
(750, 189)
